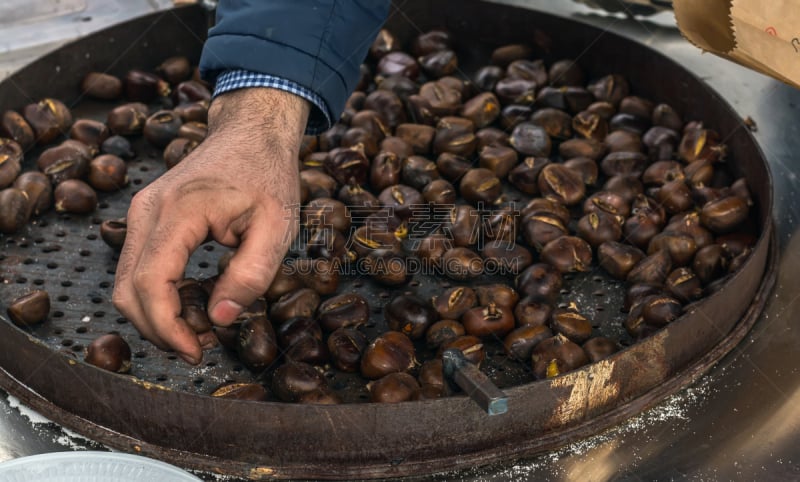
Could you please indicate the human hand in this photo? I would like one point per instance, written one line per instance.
(238, 187)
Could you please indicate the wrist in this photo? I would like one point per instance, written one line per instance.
(260, 112)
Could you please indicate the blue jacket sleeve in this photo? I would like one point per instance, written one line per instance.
(318, 44)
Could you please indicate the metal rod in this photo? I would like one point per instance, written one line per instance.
(474, 382)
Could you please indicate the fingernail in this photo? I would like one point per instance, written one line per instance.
(189, 359)
(225, 311)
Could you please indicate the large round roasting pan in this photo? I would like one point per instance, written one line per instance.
(164, 411)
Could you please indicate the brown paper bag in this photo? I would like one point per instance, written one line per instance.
(760, 34)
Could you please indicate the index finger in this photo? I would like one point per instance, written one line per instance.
(167, 252)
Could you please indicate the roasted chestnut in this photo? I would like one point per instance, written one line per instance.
(409, 315)
(709, 263)
(193, 130)
(74, 196)
(110, 352)
(108, 173)
(161, 128)
(68, 160)
(651, 269)
(393, 388)
(454, 302)
(442, 332)
(470, 346)
(320, 275)
(490, 320)
(190, 91)
(398, 63)
(440, 192)
(618, 259)
(502, 257)
(438, 64)
(300, 302)
(418, 172)
(389, 353)
(519, 343)
(540, 282)
(480, 185)
(256, 345)
(326, 212)
(611, 88)
(127, 119)
(561, 184)
(144, 87)
(384, 43)
(30, 309)
(48, 118)
(101, 86)
(567, 254)
(89, 132)
(117, 146)
(482, 110)
(525, 175)
(571, 324)
(600, 347)
(462, 264)
(590, 148)
(294, 380)
(401, 200)
(451, 166)
(193, 305)
(38, 189)
(530, 139)
(680, 246)
(346, 346)
(530, 312)
(418, 136)
(598, 228)
(385, 170)
(14, 209)
(16, 128)
(177, 150)
(455, 135)
(175, 69)
(498, 159)
(660, 310)
(556, 355)
(675, 196)
(725, 214)
(684, 285)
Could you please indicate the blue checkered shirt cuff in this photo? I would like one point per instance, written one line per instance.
(318, 121)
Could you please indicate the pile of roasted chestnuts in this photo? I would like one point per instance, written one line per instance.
(519, 174)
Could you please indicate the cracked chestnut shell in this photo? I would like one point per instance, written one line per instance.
(651, 269)
(454, 302)
(145, 87)
(590, 148)
(161, 128)
(74, 196)
(113, 232)
(344, 310)
(571, 324)
(455, 135)
(555, 356)
(480, 185)
(293, 380)
(14, 209)
(385, 170)
(561, 184)
(48, 118)
(10, 162)
(498, 159)
(127, 119)
(110, 352)
(725, 214)
(409, 315)
(618, 259)
(525, 175)
(482, 110)
(568, 254)
(451, 166)
(470, 346)
(393, 388)
(684, 285)
(68, 160)
(440, 192)
(462, 225)
(390, 352)
(680, 246)
(324, 212)
(611, 88)
(598, 228)
(30, 309)
(490, 320)
(177, 150)
(242, 391)
(346, 346)
(300, 302)
(418, 172)
(90, 132)
(401, 199)
(301, 341)
(418, 136)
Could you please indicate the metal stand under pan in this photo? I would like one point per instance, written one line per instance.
(164, 411)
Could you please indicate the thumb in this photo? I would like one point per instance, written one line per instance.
(248, 275)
